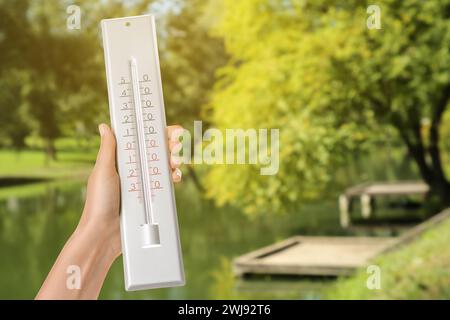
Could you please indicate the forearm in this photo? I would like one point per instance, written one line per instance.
(87, 249)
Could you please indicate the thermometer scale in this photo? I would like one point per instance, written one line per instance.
(148, 223)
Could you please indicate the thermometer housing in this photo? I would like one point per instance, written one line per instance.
(148, 222)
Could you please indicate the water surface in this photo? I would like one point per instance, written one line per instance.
(35, 222)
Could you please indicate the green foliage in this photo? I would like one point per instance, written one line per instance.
(190, 57)
(313, 70)
(62, 91)
(55, 64)
(310, 68)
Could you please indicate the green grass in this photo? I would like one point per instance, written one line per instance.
(420, 270)
(34, 164)
(70, 166)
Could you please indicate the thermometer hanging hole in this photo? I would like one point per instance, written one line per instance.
(127, 24)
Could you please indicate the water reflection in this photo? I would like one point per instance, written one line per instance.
(35, 226)
(32, 231)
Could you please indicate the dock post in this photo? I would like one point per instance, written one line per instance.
(344, 214)
(366, 207)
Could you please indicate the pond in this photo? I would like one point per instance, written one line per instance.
(36, 220)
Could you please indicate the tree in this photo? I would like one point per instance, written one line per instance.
(13, 125)
(190, 58)
(58, 63)
(314, 70)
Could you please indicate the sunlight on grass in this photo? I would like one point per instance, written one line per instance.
(418, 271)
(33, 163)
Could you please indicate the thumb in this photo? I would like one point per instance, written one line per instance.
(106, 157)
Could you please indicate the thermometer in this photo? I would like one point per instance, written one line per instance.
(148, 222)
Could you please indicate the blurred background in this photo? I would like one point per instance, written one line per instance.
(353, 105)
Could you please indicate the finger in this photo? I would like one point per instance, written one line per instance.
(106, 157)
(174, 132)
(175, 146)
(176, 175)
(175, 161)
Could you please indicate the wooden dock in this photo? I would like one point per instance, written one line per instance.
(325, 256)
(368, 191)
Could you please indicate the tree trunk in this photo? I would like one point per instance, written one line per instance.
(50, 150)
(417, 152)
(428, 160)
(439, 184)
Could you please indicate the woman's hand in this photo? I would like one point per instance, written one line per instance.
(95, 244)
(101, 210)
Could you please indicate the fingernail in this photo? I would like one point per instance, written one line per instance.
(102, 129)
(178, 173)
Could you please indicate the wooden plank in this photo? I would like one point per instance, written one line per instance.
(323, 256)
(387, 188)
(400, 188)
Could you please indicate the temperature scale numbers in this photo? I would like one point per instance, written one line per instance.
(128, 121)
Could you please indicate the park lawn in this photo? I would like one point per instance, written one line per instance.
(420, 270)
(34, 164)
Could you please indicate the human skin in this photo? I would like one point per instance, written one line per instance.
(95, 243)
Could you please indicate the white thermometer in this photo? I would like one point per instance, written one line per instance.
(149, 227)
